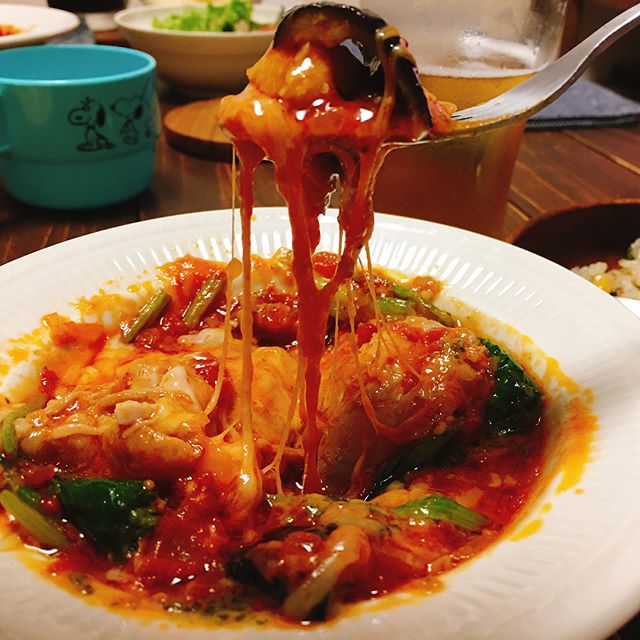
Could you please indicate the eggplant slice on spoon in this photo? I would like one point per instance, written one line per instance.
(363, 48)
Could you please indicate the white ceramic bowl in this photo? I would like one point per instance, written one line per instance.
(198, 62)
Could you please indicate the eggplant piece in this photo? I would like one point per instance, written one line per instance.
(316, 21)
(363, 45)
(241, 567)
(416, 457)
(243, 571)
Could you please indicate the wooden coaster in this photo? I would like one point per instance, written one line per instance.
(194, 129)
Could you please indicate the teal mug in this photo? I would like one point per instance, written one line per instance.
(78, 124)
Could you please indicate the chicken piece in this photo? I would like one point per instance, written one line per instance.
(421, 378)
(149, 423)
(274, 381)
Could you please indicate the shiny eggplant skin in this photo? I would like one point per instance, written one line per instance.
(363, 46)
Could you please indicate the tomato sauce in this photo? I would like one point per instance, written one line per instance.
(200, 557)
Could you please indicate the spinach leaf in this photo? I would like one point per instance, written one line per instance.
(516, 403)
(112, 514)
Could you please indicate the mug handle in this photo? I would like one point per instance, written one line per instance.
(4, 146)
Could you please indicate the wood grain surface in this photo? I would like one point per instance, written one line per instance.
(195, 129)
(563, 169)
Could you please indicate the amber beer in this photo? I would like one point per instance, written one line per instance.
(465, 182)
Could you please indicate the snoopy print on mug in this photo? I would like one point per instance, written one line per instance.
(131, 119)
(92, 116)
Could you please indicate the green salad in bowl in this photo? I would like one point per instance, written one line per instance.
(235, 15)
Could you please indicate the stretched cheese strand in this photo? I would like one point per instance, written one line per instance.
(249, 490)
(233, 270)
(263, 124)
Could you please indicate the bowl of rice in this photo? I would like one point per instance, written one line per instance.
(600, 243)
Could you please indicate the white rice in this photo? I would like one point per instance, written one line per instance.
(622, 281)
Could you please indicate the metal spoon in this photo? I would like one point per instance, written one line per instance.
(544, 87)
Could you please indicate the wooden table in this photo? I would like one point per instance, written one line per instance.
(562, 169)
(555, 170)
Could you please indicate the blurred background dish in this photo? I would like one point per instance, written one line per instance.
(172, 3)
(33, 24)
(98, 14)
(199, 63)
(583, 235)
(601, 243)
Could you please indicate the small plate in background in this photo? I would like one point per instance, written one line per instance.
(36, 24)
(581, 236)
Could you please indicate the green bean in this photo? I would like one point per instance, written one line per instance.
(28, 496)
(201, 301)
(395, 307)
(8, 434)
(40, 527)
(147, 314)
(442, 508)
(425, 307)
(9, 440)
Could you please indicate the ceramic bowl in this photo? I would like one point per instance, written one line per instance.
(569, 571)
(197, 62)
(582, 235)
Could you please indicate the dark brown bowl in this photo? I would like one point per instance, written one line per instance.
(582, 235)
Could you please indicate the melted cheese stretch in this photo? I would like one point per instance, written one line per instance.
(292, 114)
(173, 403)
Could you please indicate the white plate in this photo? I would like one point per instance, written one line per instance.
(577, 577)
(38, 24)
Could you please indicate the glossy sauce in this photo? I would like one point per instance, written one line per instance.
(182, 565)
(354, 133)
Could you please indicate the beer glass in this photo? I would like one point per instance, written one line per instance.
(467, 53)
(97, 13)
